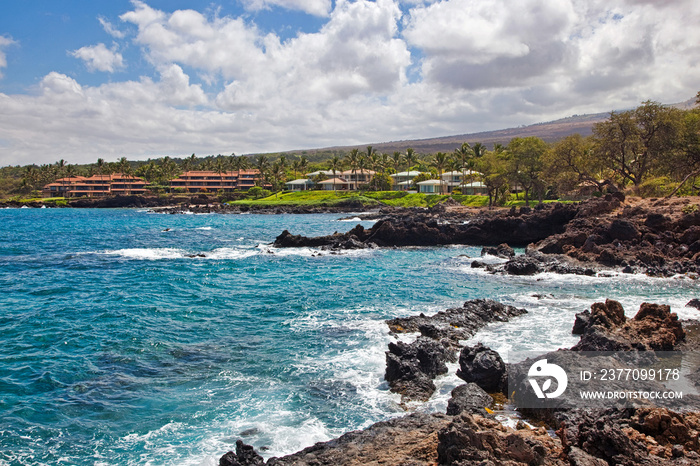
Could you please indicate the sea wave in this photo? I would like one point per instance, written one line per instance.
(225, 253)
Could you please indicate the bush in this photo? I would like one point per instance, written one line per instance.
(656, 187)
(690, 209)
(256, 192)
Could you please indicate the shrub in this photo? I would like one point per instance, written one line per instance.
(690, 209)
(656, 187)
(256, 192)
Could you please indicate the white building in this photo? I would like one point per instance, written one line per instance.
(403, 180)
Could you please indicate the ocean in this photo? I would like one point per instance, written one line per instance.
(135, 338)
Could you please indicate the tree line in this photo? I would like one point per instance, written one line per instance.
(652, 150)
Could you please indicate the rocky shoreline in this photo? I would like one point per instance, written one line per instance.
(469, 433)
(656, 237)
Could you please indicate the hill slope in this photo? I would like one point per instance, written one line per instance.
(549, 131)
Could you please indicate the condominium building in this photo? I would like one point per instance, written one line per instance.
(212, 182)
(95, 186)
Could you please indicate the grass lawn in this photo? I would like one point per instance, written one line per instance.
(331, 198)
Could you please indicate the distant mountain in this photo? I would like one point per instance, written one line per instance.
(550, 132)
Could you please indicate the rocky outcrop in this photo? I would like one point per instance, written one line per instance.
(411, 368)
(245, 455)
(470, 440)
(409, 440)
(658, 239)
(642, 436)
(468, 398)
(122, 201)
(607, 329)
(468, 434)
(429, 229)
(455, 324)
(484, 367)
(502, 250)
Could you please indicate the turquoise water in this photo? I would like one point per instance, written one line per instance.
(119, 348)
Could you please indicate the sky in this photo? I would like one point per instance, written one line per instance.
(81, 80)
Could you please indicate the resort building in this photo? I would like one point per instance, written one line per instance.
(302, 184)
(432, 187)
(357, 178)
(450, 181)
(339, 181)
(95, 186)
(334, 184)
(212, 182)
(475, 188)
(404, 180)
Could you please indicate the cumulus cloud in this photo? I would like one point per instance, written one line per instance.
(4, 42)
(374, 71)
(100, 58)
(312, 7)
(478, 44)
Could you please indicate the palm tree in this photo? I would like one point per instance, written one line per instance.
(221, 169)
(31, 174)
(276, 171)
(125, 169)
(240, 163)
(60, 168)
(411, 158)
(463, 155)
(335, 164)
(440, 161)
(396, 159)
(303, 164)
(295, 168)
(374, 161)
(71, 171)
(353, 160)
(262, 163)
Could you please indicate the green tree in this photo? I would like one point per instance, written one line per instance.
(411, 158)
(572, 161)
(493, 168)
(277, 175)
(335, 165)
(353, 161)
(525, 165)
(686, 163)
(634, 144)
(464, 158)
(303, 164)
(440, 161)
(262, 163)
(240, 163)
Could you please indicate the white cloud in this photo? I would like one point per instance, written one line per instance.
(474, 66)
(100, 58)
(110, 29)
(4, 42)
(480, 44)
(312, 7)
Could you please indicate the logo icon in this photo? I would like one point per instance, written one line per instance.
(551, 371)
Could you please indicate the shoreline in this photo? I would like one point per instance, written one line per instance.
(470, 432)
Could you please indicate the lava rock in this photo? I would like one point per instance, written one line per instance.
(468, 398)
(484, 367)
(245, 456)
(502, 250)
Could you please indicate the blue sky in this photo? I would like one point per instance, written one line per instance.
(146, 78)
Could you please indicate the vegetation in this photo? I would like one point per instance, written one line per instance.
(652, 150)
